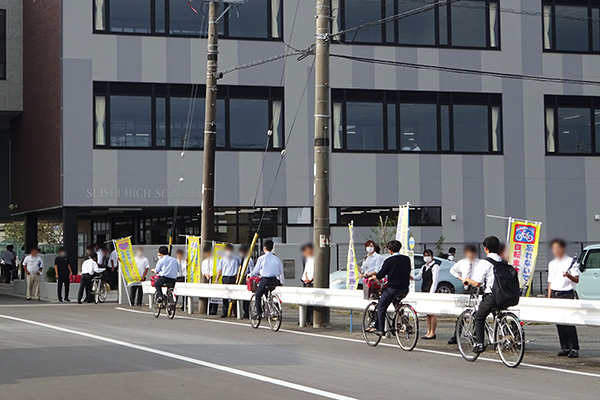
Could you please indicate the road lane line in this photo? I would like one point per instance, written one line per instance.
(206, 364)
(438, 352)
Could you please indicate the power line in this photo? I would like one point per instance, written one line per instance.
(467, 71)
(261, 62)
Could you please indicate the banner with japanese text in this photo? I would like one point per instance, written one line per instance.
(193, 259)
(218, 250)
(352, 270)
(523, 244)
(127, 264)
(402, 229)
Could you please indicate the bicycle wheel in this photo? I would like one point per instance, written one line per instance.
(254, 317)
(406, 327)
(155, 308)
(510, 339)
(369, 323)
(275, 312)
(171, 304)
(95, 291)
(103, 293)
(465, 335)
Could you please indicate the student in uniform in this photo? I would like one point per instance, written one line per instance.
(270, 269)
(166, 268)
(207, 271)
(372, 261)
(244, 252)
(451, 253)
(563, 275)
(143, 265)
(430, 275)
(113, 264)
(228, 268)
(88, 269)
(463, 270)
(63, 272)
(308, 276)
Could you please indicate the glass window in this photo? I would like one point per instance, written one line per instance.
(100, 117)
(250, 20)
(418, 127)
(248, 123)
(299, 216)
(184, 21)
(187, 114)
(471, 131)
(392, 129)
(418, 28)
(596, 28)
(445, 125)
(364, 126)
(597, 128)
(130, 16)
(130, 121)
(160, 19)
(358, 12)
(161, 122)
(469, 24)
(574, 132)
(571, 33)
(2, 44)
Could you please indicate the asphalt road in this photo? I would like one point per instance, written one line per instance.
(50, 351)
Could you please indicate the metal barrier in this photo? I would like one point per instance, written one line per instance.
(530, 309)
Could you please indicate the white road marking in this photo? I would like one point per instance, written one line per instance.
(438, 352)
(206, 364)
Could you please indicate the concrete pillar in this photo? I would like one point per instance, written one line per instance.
(70, 231)
(31, 231)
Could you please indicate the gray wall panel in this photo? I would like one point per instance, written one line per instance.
(129, 58)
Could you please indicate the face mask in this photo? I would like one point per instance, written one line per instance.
(228, 254)
(370, 249)
(427, 259)
(139, 254)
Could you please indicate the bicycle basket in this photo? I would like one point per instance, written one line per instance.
(252, 283)
(465, 301)
(153, 279)
(372, 289)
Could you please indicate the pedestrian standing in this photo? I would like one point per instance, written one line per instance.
(451, 254)
(182, 273)
(113, 264)
(8, 262)
(207, 271)
(245, 252)
(563, 276)
(430, 275)
(33, 268)
(373, 261)
(136, 291)
(228, 268)
(63, 271)
(463, 270)
(308, 276)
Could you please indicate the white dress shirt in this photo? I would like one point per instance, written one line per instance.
(90, 267)
(182, 268)
(229, 266)
(269, 266)
(250, 267)
(100, 255)
(207, 266)
(450, 257)
(113, 260)
(143, 264)
(556, 269)
(33, 264)
(435, 274)
(309, 269)
(484, 273)
(372, 263)
(464, 268)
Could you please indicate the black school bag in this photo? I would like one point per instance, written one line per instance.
(506, 290)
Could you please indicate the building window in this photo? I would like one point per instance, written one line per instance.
(165, 116)
(572, 125)
(572, 26)
(256, 19)
(467, 23)
(418, 216)
(386, 121)
(2, 44)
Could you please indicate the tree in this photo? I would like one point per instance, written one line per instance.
(384, 231)
(48, 233)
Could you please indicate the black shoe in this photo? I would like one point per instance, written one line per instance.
(429, 337)
(223, 316)
(67, 300)
(574, 354)
(378, 333)
(452, 340)
(478, 348)
(139, 305)
(60, 300)
(563, 353)
(79, 302)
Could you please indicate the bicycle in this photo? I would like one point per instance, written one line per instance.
(271, 309)
(506, 333)
(100, 289)
(404, 324)
(169, 302)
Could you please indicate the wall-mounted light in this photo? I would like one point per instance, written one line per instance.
(453, 217)
(597, 217)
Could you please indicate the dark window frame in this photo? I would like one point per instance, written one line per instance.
(439, 99)
(558, 101)
(438, 43)
(391, 212)
(167, 22)
(167, 91)
(3, 41)
(591, 4)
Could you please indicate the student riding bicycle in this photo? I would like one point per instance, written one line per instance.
(397, 268)
(270, 269)
(501, 287)
(166, 268)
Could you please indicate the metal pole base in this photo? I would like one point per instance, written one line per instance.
(321, 317)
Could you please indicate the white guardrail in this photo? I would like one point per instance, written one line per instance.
(530, 309)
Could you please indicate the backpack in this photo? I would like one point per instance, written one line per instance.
(506, 290)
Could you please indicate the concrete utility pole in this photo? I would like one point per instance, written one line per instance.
(210, 136)
(321, 233)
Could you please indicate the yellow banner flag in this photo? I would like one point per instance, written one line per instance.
(127, 264)
(523, 243)
(193, 259)
(218, 250)
(352, 270)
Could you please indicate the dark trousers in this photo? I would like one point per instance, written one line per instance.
(86, 284)
(485, 308)
(7, 270)
(163, 281)
(567, 334)
(263, 289)
(136, 293)
(227, 280)
(66, 281)
(245, 303)
(384, 302)
(309, 309)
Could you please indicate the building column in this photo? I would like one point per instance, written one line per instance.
(31, 231)
(70, 231)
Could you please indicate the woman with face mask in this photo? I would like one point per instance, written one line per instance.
(430, 275)
(372, 261)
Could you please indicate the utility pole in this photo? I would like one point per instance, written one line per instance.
(321, 234)
(210, 133)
